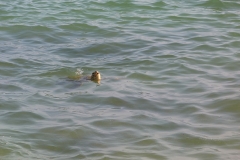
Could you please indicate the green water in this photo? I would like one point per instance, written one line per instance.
(170, 83)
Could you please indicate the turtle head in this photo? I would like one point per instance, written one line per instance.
(95, 76)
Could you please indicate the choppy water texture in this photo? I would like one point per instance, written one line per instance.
(170, 87)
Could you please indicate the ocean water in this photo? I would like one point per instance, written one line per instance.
(170, 85)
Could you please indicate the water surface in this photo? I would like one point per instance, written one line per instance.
(170, 87)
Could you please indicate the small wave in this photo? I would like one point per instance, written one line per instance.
(221, 5)
(21, 118)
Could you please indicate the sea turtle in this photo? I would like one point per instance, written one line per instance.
(78, 77)
(96, 76)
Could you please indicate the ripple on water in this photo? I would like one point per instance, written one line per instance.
(21, 118)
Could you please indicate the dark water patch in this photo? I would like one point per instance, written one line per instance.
(33, 34)
(220, 61)
(16, 118)
(10, 105)
(202, 38)
(10, 88)
(116, 102)
(190, 69)
(233, 34)
(208, 48)
(83, 27)
(202, 118)
(193, 60)
(220, 5)
(70, 52)
(186, 19)
(186, 139)
(158, 4)
(233, 44)
(37, 82)
(39, 38)
(166, 57)
(214, 4)
(189, 109)
(119, 61)
(8, 17)
(163, 125)
(5, 152)
(226, 106)
(232, 66)
(14, 29)
(131, 154)
(25, 63)
(149, 143)
(203, 155)
(57, 72)
(77, 132)
(113, 126)
(122, 6)
(194, 90)
(9, 73)
(50, 19)
(4, 64)
(101, 48)
(142, 77)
